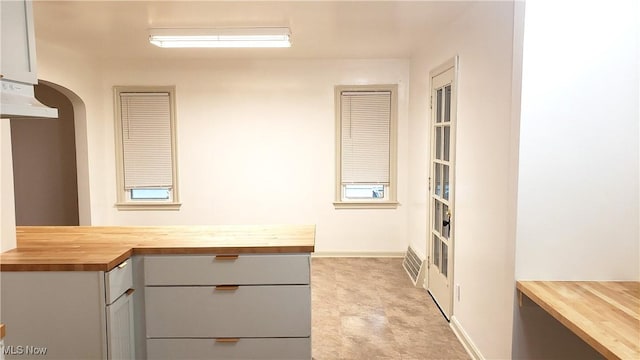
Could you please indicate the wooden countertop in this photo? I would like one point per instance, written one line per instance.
(89, 248)
(606, 315)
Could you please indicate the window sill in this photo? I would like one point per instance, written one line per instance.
(366, 205)
(148, 206)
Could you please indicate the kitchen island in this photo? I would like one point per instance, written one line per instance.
(160, 292)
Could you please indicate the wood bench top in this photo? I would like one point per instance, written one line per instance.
(605, 314)
(101, 248)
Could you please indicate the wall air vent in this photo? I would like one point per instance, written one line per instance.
(414, 266)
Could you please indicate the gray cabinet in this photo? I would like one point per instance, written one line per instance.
(231, 307)
(190, 307)
(247, 269)
(18, 42)
(69, 313)
(224, 311)
(201, 349)
(119, 312)
(120, 338)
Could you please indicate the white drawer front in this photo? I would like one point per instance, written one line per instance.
(258, 349)
(211, 270)
(248, 311)
(118, 280)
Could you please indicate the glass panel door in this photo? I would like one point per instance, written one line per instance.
(441, 193)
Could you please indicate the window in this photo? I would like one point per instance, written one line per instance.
(366, 129)
(146, 148)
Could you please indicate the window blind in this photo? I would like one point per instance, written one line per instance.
(366, 122)
(146, 139)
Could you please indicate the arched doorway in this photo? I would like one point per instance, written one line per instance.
(48, 156)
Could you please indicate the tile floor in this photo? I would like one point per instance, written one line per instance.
(367, 308)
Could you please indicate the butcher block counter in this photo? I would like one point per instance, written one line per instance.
(97, 248)
(605, 314)
(159, 292)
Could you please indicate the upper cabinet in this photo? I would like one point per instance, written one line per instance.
(18, 42)
(18, 63)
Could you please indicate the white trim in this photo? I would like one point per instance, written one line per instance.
(464, 338)
(148, 206)
(366, 204)
(391, 192)
(123, 202)
(360, 254)
(438, 70)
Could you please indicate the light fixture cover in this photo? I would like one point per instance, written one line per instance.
(259, 37)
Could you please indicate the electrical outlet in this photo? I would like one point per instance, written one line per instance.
(458, 291)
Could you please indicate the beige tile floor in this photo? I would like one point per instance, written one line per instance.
(367, 308)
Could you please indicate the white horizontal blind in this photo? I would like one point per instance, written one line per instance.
(366, 121)
(146, 139)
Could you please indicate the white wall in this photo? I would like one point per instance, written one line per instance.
(578, 212)
(419, 152)
(255, 144)
(578, 195)
(7, 206)
(485, 183)
(78, 76)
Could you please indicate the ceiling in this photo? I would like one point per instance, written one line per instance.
(320, 29)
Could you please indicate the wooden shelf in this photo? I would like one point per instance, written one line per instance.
(606, 315)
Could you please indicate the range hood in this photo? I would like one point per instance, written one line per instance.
(17, 100)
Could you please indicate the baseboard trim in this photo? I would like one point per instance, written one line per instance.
(464, 338)
(366, 254)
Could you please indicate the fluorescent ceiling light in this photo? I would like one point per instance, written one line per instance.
(221, 38)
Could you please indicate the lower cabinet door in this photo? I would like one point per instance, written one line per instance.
(232, 311)
(120, 339)
(255, 349)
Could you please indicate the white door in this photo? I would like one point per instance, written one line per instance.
(441, 189)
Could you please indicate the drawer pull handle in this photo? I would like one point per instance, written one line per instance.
(227, 287)
(121, 266)
(227, 340)
(129, 291)
(227, 257)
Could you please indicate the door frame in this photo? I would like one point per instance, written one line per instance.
(452, 63)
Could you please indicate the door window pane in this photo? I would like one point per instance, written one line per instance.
(445, 181)
(447, 135)
(437, 217)
(439, 105)
(438, 145)
(447, 103)
(445, 222)
(437, 179)
(445, 259)
(436, 251)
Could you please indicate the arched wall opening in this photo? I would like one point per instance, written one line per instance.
(51, 177)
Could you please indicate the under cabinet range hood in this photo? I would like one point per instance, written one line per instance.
(17, 100)
(18, 72)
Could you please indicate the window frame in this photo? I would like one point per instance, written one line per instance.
(124, 200)
(390, 199)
